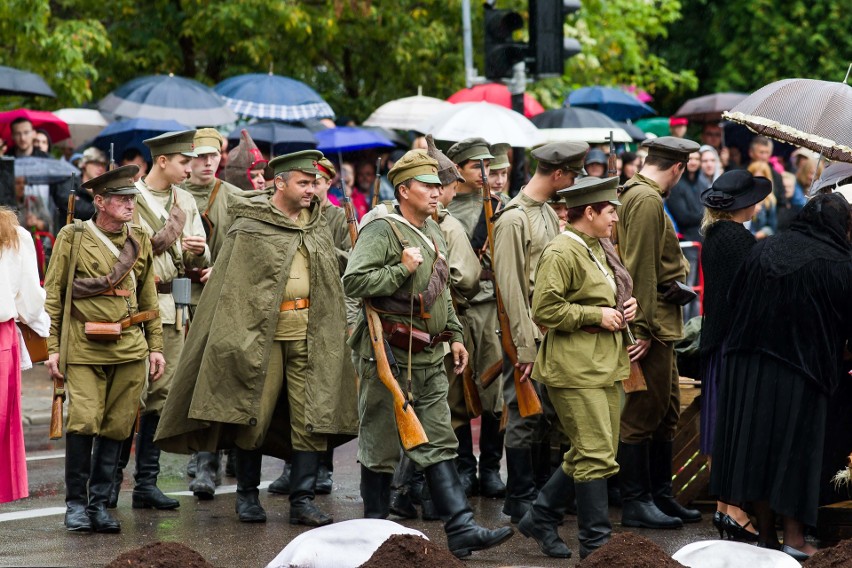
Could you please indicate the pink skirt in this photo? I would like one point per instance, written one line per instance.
(13, 459)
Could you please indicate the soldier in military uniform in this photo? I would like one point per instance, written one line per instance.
(170, 217)
(650, 250)
(246, 165)
(498, 173)
(481, 317)
(583, 297)
(284, 384)
(112, 281)
(401, 258)
(521, 232)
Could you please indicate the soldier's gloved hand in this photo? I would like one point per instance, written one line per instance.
(52, 365)
(611, 319)
(460, 357)
(630, 307)
(194, 245)
(412, 258)
(157, 365)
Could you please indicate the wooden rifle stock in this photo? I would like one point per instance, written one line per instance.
(56, 409)
(636, 381)
(528, 401)
(377, 185)
(411, 433)
(471, 394)
(55, 432)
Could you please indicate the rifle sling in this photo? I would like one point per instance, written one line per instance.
(105, 285)
(66, 307)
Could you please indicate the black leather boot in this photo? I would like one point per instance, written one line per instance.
(123, 459)
(543, 517)
(401, 502)
(490, 454)
(303, 478)
(281, 486)
(428, 511)
(204, 484)
(661, 483)
(248, 506)
(542, 468)
(593, 526)
(520, 487)
(326, 468)
(637, 506)
(104, 464)
(146, 494)
(614, 490)
(375, 493)
(571, 509)
(78, 467)
(231, 463)
(466, 461)
(463, 534)
(192, 465)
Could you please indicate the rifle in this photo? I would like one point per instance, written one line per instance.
(528, 401)
(111, 157)
(376, 186)
(411, 433)
(472, 401)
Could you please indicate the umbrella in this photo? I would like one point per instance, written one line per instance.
(589, 135)
(804, 112)
(709, 108)
(832, 176)
(572, 117)
(658, 126)
(350, 139)
(17, 82)
(55, 126)
(634, 131)
(406, 113)
(264, 95)
(84, 123)
(492, 122)
(614, 103)
(126, 134)
(277, 138)
(44, 170)
(167, 97)
(497, 94)
(391, 135)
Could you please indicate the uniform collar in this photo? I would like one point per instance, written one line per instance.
(646, 181)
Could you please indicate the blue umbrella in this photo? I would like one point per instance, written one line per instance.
(44, 170)
(350, 139)
(166, 97)
(126, 134)
(614, 103)
(264, 95)
(277, 138)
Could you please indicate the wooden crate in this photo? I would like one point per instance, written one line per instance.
(689, 466)
(834, 522)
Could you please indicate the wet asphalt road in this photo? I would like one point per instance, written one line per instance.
(211, 527)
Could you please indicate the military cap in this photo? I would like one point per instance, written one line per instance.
(415, 164)
(326, 169)
(563, 154)
(178, 142)
(591, 190)
(115, 182)
(207, 141)
(447, 170)
(501, 156)
(469, 149)
(304, 161)
(671, 148)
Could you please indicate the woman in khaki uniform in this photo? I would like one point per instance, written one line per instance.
(583, 298)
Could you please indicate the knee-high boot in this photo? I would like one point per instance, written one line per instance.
(593, 526)
(637, 506)
(401, 502)
(104, 464)
(490, 454)
(248, 506)
(123, 459)
(303, 478)
(146, 494)
(375, 493)
(207, 469)
(661, 483)
(466, 461)
(78, 467)
(541, 520)
(520, 486)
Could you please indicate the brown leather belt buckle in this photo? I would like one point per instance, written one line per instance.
(164, 287)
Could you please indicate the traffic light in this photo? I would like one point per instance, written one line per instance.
(501, 52)
(548, 46)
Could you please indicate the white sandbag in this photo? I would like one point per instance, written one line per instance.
(339, 545)
(730, 554)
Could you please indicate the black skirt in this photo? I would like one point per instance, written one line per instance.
(770, 427)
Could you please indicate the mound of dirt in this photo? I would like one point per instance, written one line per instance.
(629, 549)
(839, 556)
(160, 555)
(411, 551)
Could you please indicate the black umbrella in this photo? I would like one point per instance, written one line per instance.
(573, 117)
(634, 131)
(709, 108)
(44, 170)
(276, 138)
(16, 82)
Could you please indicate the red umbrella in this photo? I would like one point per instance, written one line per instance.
(497, 94)
(56, 128)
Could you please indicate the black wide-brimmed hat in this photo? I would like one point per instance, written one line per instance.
(736, 189)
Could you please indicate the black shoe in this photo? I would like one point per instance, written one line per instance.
(463, 534)
(78, 467)
(593, 526)
(375, 493)
(123, 459)
(795, 553)
(303, 478)
(719, 524)
(104, 463)
(247, 505)
(326, 469)
(401, 502)
(490, 454)
(637, 506)
(520, 487)
(192, 465)
(466, 461)
(281, 486)
(661, 483)
(146, 494)
(541, 520)
(204, 484)
(735, 530)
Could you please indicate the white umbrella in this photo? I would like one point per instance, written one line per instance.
(590, 135)
(494, 123)
(406, 113)
(84, 123)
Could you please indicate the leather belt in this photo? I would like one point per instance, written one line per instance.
(297, 304)
(400, 335)
(164, 287)
(486, 274)
(595, 329)
(135, 319)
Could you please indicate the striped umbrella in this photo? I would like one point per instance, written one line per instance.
(273, 97)
(804, 112)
